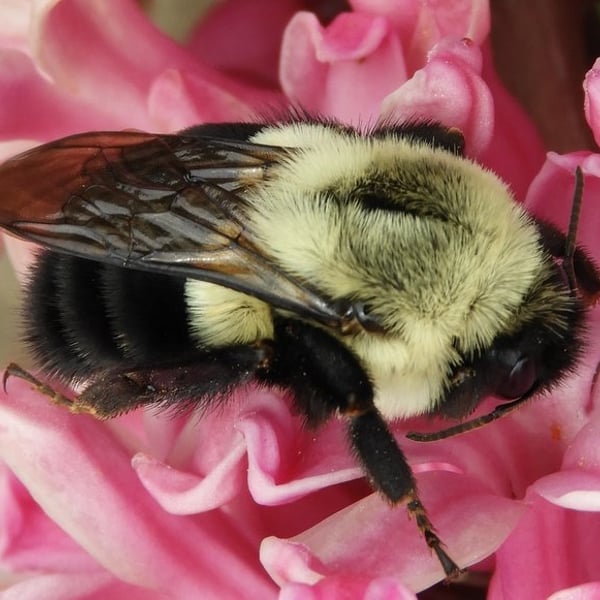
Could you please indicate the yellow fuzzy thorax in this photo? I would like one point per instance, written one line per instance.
(445, 273)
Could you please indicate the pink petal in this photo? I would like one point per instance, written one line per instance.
(504, 455)
(93, 62)
(179, 99)
(550, 549)
(257, 28)
(94, 59)
(14, 24)
(586, 591)
(29, 541)
(591, 86)
(577, 485)
(181, 493)
(285, 463)
(421, 25)
(449, 90)
(342, 71)
(571, 489)
(551, 193)
(91, 586)
(24, 91)
(343, 588)
(351, 37)
(80, 475)
(584, 451)
(357, 539)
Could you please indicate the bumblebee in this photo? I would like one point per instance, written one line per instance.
(376, 275)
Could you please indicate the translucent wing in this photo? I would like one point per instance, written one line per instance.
(155, 202)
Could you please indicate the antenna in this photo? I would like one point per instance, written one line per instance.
(568, 260)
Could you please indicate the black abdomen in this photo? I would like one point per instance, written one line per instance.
(82, 316)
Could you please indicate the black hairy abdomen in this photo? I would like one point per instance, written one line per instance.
(81, 316)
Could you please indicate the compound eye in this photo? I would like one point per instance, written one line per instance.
(519, 381)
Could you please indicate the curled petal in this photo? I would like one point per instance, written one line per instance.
(181, 493)
(344, 70)
(287, 562)
(285, 464)
(351, 37)
(448, 90)
(204, 462)
(280, 462)
(421, 25)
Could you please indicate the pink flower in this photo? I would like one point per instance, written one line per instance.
(244, 502)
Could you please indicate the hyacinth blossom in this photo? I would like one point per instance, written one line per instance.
(245, 502)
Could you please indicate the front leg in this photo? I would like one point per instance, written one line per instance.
(326, 377)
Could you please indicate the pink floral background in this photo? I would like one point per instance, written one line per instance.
(245, 503)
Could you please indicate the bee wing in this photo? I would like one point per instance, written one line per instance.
(155, 202)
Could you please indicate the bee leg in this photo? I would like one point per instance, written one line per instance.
(392, 476)
(14, 370)
(327, 378)
(194, 384)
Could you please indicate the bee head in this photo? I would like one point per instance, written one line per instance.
(540, 346)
